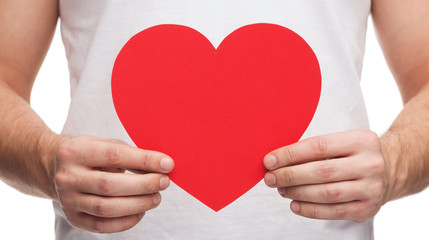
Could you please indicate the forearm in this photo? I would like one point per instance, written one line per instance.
(405, 148)
(27, 146)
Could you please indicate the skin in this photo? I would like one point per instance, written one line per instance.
(84, 174)
(350, 175)
(347, 175)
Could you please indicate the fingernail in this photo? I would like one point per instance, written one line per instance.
(270, 162)
(270, 179)
(282, 191)
(156, 198)
(164, 182)
(294, 206)
(167, 164)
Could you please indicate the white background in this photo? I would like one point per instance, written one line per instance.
(26, 217)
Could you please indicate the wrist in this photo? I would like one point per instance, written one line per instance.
(390, 156)
(403, 166)
(47, 146)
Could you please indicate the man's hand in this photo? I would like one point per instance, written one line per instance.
(341, 176)
(95, 192)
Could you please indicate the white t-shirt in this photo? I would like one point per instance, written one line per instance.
(95, 31)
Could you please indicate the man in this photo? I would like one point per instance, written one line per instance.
(346, 175)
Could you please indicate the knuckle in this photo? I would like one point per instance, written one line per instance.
(327, 171)
(293, 193)
(359, 209)
(378, 166)
(288, 176)
(147, 184)
(363, 217)
(314, 211)
(151, 183)
(61, 178)
(332, 195)
(66, 151)
(101, 208)
(369, 209)
(362, 213)
(104, 185)
(369, 139)
(145, 159)
(99, 226)
(113, 155)
(145, 204)
(372, 138)
(72, 218)
(341, 212)
(319, 145)
(290, 155)
(128, 222)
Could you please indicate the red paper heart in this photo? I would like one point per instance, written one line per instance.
(216, 112)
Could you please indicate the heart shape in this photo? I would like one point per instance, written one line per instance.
(216, 112)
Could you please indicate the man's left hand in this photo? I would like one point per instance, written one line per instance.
(340, 176)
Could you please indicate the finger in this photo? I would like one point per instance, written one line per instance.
(114, 207)
(358, 211)
(121, 184)
(106, 225)
(321, 147)
(315, 173)
(340, 192)
(107, 154)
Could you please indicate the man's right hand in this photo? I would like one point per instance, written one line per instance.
(95, 192)
(92, 186)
